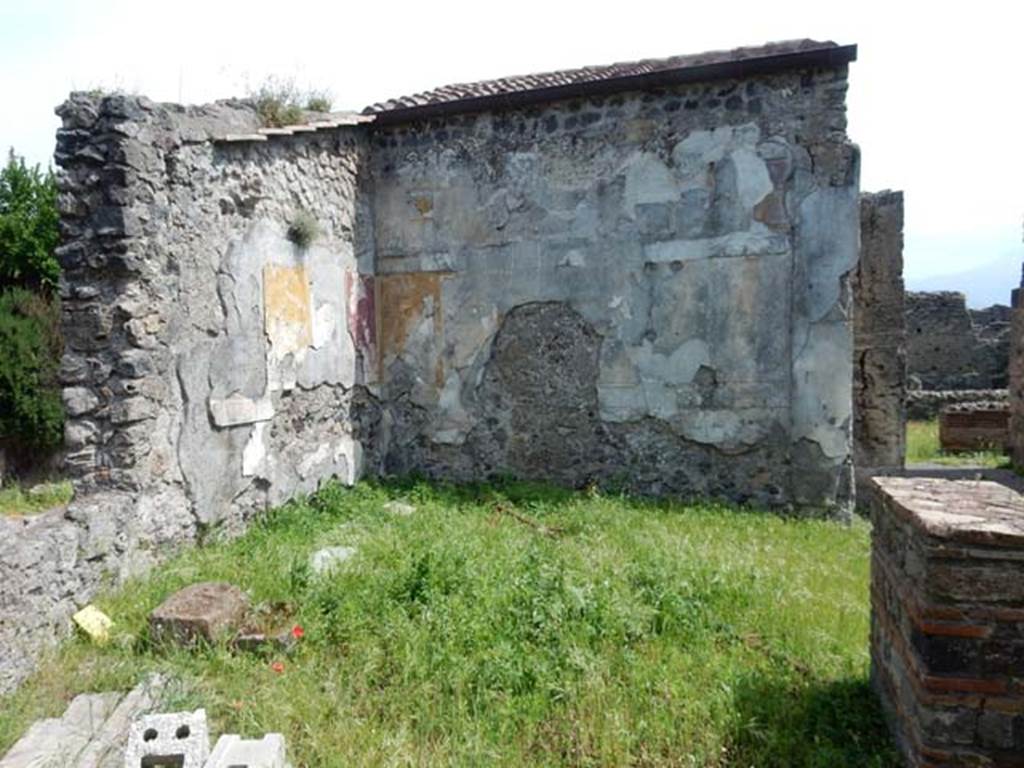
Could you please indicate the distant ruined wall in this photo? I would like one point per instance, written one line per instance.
(648, 290)
(212, 367)
(879, 338)
(952, 347)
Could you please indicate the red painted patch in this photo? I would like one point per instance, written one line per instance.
(362, 319)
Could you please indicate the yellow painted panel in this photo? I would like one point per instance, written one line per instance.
(288, 308)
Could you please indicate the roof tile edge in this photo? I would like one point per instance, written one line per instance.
(525, 90)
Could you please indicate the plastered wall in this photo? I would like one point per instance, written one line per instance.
(648, 290)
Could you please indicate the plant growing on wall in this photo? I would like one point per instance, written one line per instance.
(304, 229)
(28, 226)
(280, 102)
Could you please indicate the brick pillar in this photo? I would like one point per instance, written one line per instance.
(947, 619)
(1017, 378)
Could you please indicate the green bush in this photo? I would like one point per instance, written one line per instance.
(31, 414)
(28, 226)
(318, 101)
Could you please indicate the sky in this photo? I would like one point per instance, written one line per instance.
(935, 97)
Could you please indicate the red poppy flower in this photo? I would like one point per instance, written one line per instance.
(298, 632)
(278, 667)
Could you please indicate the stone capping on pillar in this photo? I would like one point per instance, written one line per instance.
(947, 619)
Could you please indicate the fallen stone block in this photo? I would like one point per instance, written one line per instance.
(399, 508)
(205, 611)
(329, 559)
(178, 739)
(233, 751)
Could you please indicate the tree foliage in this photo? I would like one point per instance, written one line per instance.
(28, 227)
(31, 414)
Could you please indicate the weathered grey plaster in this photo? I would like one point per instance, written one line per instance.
(703, 255)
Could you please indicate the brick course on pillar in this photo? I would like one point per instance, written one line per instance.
(947, 619)
(1017, 379)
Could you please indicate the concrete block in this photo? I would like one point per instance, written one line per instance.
(233, 751)
(178, 739)
(206, 611)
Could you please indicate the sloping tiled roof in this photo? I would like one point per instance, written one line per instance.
(521, 89)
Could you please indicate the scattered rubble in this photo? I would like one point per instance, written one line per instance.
(182, 739)
(270, 627)
(92, 733)
(115, 730)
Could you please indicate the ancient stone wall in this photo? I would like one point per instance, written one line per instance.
(649, 289)
(879, 338)
(951, 347)
(213, 367)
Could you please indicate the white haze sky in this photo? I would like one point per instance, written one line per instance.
(935, 98)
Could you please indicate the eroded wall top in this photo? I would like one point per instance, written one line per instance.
(210, 359)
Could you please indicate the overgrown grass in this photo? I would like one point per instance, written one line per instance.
(923, 447)
(522, 626)
(16, 500)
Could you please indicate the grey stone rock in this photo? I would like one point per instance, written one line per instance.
(79, 401)
(329, 559)
(400, 508)
(107, 747)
